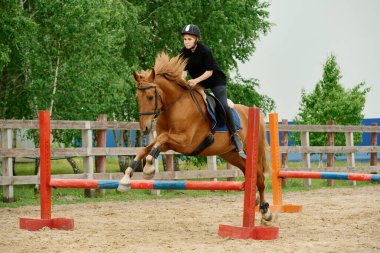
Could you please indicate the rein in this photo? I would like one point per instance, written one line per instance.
(197, 103)
(156, 111)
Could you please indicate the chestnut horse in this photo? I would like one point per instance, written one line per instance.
(163, 93)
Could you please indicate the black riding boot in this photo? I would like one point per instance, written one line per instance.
(235, 139)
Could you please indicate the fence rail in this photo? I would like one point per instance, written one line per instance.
(56, 152)
(330, 149)
(69, 124)
(328, 128)
(88, 151)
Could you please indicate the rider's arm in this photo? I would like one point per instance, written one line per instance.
(200, 78)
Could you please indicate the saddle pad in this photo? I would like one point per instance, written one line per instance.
(224, 128)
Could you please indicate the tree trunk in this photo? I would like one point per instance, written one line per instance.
(54, 83)
(123, 162)
(73, 164)
(166, 166)
(320, 164)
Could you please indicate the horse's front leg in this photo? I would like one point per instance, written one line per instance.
(164, 142)
(125, 182)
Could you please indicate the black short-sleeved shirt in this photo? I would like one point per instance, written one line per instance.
(199, 62)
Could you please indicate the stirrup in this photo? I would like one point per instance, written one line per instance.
(235, 139)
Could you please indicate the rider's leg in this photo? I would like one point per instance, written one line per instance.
(221, 93)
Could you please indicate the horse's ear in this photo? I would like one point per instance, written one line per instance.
(152, 76)
(136, 76)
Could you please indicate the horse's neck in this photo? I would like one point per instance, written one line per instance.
(170, 90)
(173, 89)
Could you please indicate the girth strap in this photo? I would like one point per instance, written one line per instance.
(206, 143)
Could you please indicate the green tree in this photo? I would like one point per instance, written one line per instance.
(230, 28)
(16, 35)
(75, 57)
(331, 101)
(243, 91)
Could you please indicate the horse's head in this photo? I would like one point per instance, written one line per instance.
(147, 98)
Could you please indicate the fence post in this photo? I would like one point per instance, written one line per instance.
(230, 167)
(330, 156)
(211, 164)
(7, 138)
(169, 163)
(88, 161)
(100, 161)
(373, 161)
(305, 142)
(351, 155)
(284, 156)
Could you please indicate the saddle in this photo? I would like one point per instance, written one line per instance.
(218, 119)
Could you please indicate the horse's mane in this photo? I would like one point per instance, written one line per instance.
(170, 68)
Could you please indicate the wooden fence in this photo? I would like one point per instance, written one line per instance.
(349, 149)
(88, 152)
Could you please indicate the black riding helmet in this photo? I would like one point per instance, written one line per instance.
(192, 29)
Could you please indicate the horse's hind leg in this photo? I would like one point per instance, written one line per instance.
(235, 159)
(266, 215)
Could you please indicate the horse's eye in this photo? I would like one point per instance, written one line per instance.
(150, 98)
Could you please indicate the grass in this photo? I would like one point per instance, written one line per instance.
(24, 194)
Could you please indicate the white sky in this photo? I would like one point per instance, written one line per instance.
(305, 33)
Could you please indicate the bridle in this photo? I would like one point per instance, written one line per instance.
(156, 112)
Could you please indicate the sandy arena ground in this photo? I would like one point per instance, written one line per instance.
(332, 220)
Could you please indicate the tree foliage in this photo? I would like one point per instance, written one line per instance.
(229, 27)
(243, 91)
(75, 58)
(331, 101)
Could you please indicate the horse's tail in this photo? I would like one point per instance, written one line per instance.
(263, 146)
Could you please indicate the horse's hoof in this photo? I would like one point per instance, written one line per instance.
(148, 176)
(269, 220)
(124, 187)
(265, 222)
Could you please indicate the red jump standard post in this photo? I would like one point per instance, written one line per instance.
(45, 190)
(249, 230)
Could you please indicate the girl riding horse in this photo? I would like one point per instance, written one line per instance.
(205, 71)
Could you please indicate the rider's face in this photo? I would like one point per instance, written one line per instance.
(189, 40)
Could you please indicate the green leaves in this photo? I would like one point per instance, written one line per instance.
(243, 91)
(228, 27)
(76, 57)
(331, 101)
